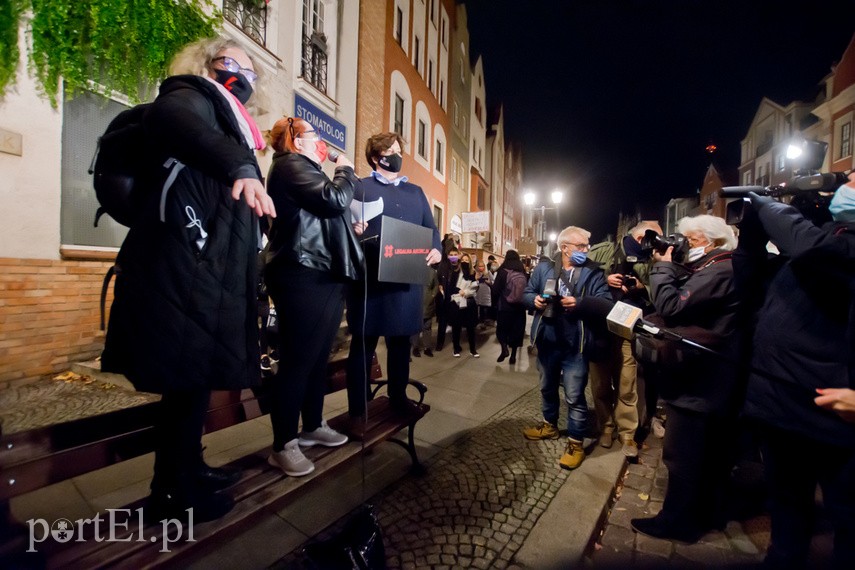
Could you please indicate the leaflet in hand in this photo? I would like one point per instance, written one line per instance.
(365, 211)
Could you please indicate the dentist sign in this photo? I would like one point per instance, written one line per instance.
(330, 130)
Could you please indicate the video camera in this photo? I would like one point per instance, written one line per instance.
(652, 241)
(810, 189)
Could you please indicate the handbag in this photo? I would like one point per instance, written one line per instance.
(359, 546)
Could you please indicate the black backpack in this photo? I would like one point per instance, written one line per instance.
(119, 166)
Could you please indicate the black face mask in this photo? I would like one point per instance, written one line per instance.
(464, 267)
(633, 248)
(236, 83)
(391, 163)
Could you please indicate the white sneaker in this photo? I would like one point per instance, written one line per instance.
(291, 460)
(324, 435)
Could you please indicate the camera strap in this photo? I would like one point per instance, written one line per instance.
(574, 278)
(713, 260)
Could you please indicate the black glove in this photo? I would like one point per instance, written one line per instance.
(759, 201)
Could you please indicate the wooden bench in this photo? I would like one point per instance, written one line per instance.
(40, 457)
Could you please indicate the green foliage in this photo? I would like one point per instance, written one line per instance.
(10, 16)
(122, 45)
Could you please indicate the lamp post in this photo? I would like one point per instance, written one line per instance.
(530, 198)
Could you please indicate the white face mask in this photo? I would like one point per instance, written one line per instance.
(695, 253)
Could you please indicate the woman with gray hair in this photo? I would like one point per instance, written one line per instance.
(184, 317)
(697, 299)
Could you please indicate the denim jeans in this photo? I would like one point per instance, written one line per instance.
(560, 367)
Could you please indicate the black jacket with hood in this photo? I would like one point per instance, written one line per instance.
(184, 314)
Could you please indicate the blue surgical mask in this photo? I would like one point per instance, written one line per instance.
(842, 206)
(578, 257)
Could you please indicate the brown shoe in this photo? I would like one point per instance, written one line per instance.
(573, 456)
(606, 439)
(630, 448)
(543, 430)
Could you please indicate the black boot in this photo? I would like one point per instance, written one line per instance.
(513, 359)
(504, 354)
(205, 506)
(215, 478)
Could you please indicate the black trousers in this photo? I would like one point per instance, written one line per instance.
(178, 450)
(459, 318)
(794, 466)
(359, 368)
(699, 453)
(309, 305)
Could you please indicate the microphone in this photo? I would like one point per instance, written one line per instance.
(625, 320)
(333, 154)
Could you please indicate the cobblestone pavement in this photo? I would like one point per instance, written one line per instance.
(64, 398)
(478, 501)
(741, 544)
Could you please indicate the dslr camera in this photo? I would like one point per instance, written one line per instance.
(625, 269)
(553, 300)
(654, 242)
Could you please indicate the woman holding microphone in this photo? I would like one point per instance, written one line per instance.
(313, 255)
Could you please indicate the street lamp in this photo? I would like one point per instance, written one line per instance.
(530, 198)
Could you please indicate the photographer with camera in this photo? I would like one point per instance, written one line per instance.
(613, 379)
(694, 294)
(555, 290)
(800, 386)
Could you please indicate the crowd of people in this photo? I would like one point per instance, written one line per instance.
(778, 329)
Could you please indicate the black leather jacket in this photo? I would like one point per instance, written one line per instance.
(313, 221)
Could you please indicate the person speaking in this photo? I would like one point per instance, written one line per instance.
(313, 254)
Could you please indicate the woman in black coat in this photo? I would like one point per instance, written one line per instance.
(184, 317)
(313, 254)
(697, 298)
(510, 322)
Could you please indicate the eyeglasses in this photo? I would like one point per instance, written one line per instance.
(580, 246)
(233, 66)
(315, 136)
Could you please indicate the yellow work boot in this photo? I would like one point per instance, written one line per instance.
(573, 456)
(543, 430)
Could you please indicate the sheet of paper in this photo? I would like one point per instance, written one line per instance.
(369, 210)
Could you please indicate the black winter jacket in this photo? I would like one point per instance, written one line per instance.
(184, 314)
(805, 330)
(312, 225)
(700, 295)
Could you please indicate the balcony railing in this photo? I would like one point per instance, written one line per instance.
(250, 16)
(314, 65)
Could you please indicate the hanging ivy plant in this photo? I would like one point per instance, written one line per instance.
(10, 16)
(123, 45)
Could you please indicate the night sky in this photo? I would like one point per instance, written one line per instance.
(615, 101)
